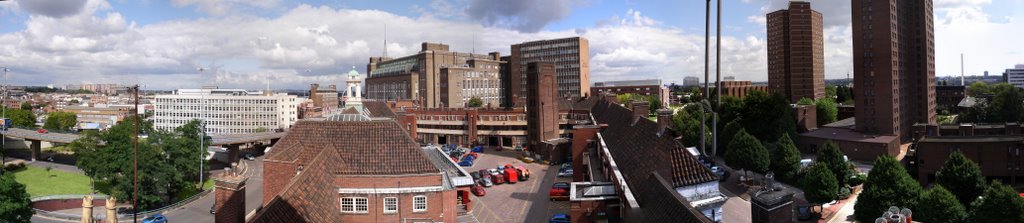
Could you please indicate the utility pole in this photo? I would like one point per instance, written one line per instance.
(202, 127)
(3, 138)
(718, 82)
(707, 49)
(135, 162)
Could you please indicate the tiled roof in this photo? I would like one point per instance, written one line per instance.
(378, 109)
(635, 147)
(308, 198)
(578, 103)
(663, 204)
(380, 147)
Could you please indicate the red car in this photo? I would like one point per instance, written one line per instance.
(42, 131)
(559, 191)
(511, 175)
(478, 190)
(499, 179)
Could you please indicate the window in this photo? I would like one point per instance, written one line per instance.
(354, 205)
(419, 203)
(390, 205)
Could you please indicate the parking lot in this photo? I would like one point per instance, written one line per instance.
(521, 202)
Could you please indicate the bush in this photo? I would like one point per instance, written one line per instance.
(858, 179)
(844, 192)
(14, 165)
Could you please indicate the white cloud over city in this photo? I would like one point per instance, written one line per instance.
(306, 44)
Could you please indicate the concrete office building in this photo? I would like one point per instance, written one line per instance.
(796, 53)
(650, 87)
(419, 76)
(894, 66)
(478, 78)
(226, 111)
(691, 81)
(1015, 76)
(572, 66)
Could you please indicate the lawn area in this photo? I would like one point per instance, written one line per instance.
(39, 182)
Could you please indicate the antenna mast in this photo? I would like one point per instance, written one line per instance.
(385, 40)
(962, 70)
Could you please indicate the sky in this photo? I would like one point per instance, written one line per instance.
(291, 44)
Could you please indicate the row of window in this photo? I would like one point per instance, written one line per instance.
(360, 205)
(216, 101)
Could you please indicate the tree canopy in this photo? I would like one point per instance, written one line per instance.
(888, 185)
(785, 158)
(826, 110)
(687, 122)
(939, 205)
(999, 203)
(167, 161)
(60, 121)
(1007, 105)
(474, 102)
(962, 177)
(15, 205)
(819, 185)
(21, 118)
(725, 135)
(767, 116)
(26, 106)
(746, 152)
(831, 156)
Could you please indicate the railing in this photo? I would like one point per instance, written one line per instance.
(77, 217)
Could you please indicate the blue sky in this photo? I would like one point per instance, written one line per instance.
(246, 43)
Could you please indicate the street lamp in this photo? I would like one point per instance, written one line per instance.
(202, 129)
(3, 139)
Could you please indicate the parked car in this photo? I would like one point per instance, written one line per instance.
(498, 179)
(484, 172)
(478, 190)
(42, 131)
(485, 181)
(524, 174)
(560, 218)
(156, 218)
(804, 213)
(493, 172)
(565, 172)
(559, 191)
(722, 174)
(475, 175)
(250, 157)
(212, 209)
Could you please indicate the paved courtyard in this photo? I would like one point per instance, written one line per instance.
(520, 202)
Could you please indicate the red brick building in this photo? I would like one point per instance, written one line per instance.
(358, 171)
(652, 87)
(995, 148)
(740, 89)
(796, 52)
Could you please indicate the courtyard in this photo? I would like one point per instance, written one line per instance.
(525, 201)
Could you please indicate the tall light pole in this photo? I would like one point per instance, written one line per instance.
(135, 162)
(3, 138)
(718, 81)
(202, 129)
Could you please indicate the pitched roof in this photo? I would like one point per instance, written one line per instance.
(306, 198)
(379, 147)
(633, 143)
(378, 109)
(663, 204)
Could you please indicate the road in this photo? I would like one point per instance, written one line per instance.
(199, 210)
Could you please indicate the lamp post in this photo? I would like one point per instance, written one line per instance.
(202, 129)
(3, 138)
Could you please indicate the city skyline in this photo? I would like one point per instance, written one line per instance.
(295, 43)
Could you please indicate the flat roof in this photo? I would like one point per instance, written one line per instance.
(845, 123)
(844, 134)
(955, 139)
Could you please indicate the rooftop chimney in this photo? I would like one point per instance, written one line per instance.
(664, 120)
(230, 197)
(640, 110)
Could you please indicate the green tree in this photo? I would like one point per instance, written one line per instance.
(728, 111)
(977, 89)
(767, 116)
(805, 101)
(831, 91)
(820, 185)
(999, 203)
(888, 185)
(22, 118)
(688, 123)
(785, 160)
(475, 102)
(1007, 105)
(86, 149)
(15, 205)
(962, 177)
(60, 121)
(26, 106)
(833, 157)
(653, 104)
(726, 134)
(939, 205)
(827, 112)
(746, 152)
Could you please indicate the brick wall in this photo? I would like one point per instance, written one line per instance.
(276, 175)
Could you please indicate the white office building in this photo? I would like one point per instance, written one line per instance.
(1015, 76)
(226, 111)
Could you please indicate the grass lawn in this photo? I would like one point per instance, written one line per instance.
(39, 182)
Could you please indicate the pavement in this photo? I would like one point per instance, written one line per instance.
(521, 202)
(199, 210)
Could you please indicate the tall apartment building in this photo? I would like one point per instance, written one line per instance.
(691, 81)
(1015, 76)
(796, 53)
(572, 66)
(419, 76)
(894, 65)
(226, 111)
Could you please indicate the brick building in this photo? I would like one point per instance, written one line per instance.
(650, 87)
(324, 98)
(796, 52)
(572, 67)
(106, 117)
(358, 171)
(419, 76)
(740, 89)
(995, 148)
(948, 97)
(894, 68)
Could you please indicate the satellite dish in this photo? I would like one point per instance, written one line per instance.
(906, 212)
(894, 209)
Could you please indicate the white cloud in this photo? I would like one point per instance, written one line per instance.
(224, 7)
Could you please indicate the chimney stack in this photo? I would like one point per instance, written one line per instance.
(640, 109)
(664, 120)
(230, 197)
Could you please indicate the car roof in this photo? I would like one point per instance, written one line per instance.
(560, 215)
